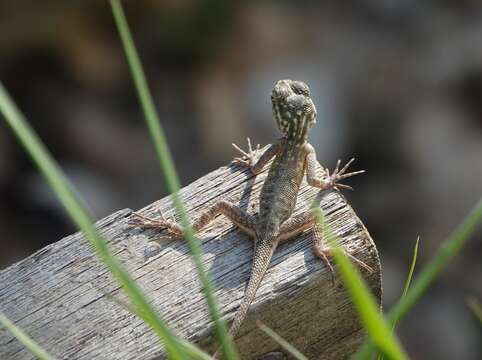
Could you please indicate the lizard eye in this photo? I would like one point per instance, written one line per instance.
(300, 88)
(281, 91)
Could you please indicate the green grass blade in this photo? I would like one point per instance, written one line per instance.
(31, 345)
(286, 345)
(370, 316)
(412, 268)
(170, 174)
(407, 281)
(60, 185)
(475, 306)
(449, 250)
(409, 276)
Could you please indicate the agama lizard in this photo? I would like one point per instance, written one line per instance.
(295, 114)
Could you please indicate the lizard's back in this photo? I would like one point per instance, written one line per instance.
(280, 189)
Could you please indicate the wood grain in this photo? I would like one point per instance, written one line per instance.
(58, 294)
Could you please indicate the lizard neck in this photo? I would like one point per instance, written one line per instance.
(297, 133)
(295, 143)
(296, 140)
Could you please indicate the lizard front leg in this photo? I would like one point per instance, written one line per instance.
(243, 220)
(249, 158)
(329, 181)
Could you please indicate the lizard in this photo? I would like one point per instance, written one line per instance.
(295, 113)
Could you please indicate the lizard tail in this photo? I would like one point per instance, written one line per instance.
(262, 257)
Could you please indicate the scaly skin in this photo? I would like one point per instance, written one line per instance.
(295, 114)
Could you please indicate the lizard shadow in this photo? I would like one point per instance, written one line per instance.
(228, 271)
(232, 249)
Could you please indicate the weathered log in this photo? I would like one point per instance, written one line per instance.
(58, 295)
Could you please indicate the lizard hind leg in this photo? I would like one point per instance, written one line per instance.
(144, 222)
(236, 215)
(304, 221)
(324, 252)
(300, 223)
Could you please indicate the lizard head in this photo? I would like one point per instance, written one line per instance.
(293, 109)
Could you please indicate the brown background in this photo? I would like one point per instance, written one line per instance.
(398, 84)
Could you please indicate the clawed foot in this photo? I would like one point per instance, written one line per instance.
(326, 254)
(331, 181)
(248, 158)
(141, 221)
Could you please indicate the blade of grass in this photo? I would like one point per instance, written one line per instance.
(409, 277)
(410, 272)
(475, 306)
(427, 276)
(80, 216)
(407, 282)
(286, 345)
(31, 345)
(362, 299)
(170, 174)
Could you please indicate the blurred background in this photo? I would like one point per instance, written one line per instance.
(397, 84)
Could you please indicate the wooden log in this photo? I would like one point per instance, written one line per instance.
(57, 295)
